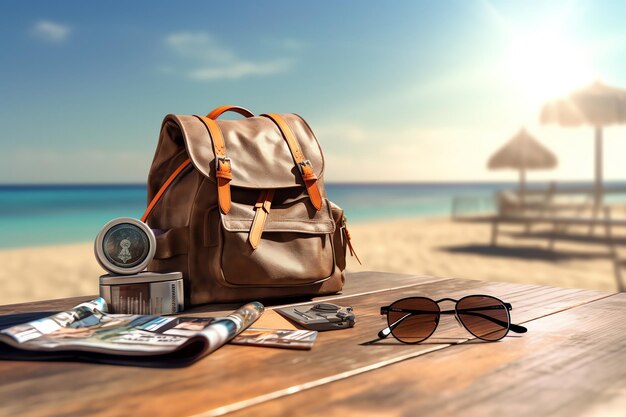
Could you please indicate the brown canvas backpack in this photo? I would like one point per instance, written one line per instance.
(239, 207)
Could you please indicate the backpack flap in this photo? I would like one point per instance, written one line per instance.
(259, 155)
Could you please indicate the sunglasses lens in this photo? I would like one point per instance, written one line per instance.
(413, 320)
(485, 317)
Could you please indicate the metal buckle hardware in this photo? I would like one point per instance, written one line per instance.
(302, 164)
(220, 160)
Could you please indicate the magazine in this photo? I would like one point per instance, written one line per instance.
(87, 332)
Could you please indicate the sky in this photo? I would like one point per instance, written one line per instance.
(429, 89)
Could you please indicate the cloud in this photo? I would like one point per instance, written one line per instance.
(287, 43)
(343, 131)
(51, 32)
(238, 70)
(209, 60)
(200, 46)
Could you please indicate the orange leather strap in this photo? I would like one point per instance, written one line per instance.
(261, 211)
(303, 164)
(163, 188)
(349, 242)
(223, 109)
(223, 171)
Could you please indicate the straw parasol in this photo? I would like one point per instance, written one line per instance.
(597, 105)
(522, 152)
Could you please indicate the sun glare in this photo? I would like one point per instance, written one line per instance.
(544, 65)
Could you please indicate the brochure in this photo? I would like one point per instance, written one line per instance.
(281, 338)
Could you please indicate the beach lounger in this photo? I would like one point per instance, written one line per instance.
(560, 224)
(541, 204)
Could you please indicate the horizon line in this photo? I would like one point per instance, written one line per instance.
(356, 183)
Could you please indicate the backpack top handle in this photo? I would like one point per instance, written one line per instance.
(217, 112)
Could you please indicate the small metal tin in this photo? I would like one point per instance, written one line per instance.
(125, 246)
(143, 293)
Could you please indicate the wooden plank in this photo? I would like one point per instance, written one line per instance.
(568, 364)
(237, 376)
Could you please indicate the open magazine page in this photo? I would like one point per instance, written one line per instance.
(80, 316)
(88, 328)
(223, 330)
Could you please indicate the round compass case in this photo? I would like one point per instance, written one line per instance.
(125, 246)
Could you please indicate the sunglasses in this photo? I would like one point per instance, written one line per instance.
(414, 319)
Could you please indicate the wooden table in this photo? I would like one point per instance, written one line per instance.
(572, 362)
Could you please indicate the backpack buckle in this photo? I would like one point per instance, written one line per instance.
(221, 160)
(303, 164)
(223, 168)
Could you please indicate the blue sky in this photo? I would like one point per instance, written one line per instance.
(432, 87)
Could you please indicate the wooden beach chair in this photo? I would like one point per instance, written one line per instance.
(560, 223)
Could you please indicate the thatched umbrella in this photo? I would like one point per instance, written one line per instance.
(522, 152)
(597, 105)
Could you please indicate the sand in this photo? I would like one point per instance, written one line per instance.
(441, 247)
(434, 246)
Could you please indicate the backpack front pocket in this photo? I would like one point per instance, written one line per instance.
(295, 248)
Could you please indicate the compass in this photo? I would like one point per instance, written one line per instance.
(125, 246)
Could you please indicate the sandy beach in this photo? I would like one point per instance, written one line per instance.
(435, 246)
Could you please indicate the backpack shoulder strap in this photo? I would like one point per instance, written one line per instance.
(163, 188)
(223, 171)
(303, 164)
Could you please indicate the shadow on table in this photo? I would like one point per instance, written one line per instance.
(267, 303)
(521, 252)
(20, 318)
(433, 341)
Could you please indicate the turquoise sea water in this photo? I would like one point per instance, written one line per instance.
(52, 214)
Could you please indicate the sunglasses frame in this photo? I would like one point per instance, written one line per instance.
(386, 309)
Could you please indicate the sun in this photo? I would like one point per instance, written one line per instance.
(544, 65)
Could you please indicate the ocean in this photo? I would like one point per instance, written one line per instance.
(52, 214)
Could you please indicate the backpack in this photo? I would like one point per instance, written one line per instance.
(239, 207)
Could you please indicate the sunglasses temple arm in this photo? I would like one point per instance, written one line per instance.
(384, 333)
(387, 330)
(515, 328)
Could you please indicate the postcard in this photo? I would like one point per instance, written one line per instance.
(280, 338)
